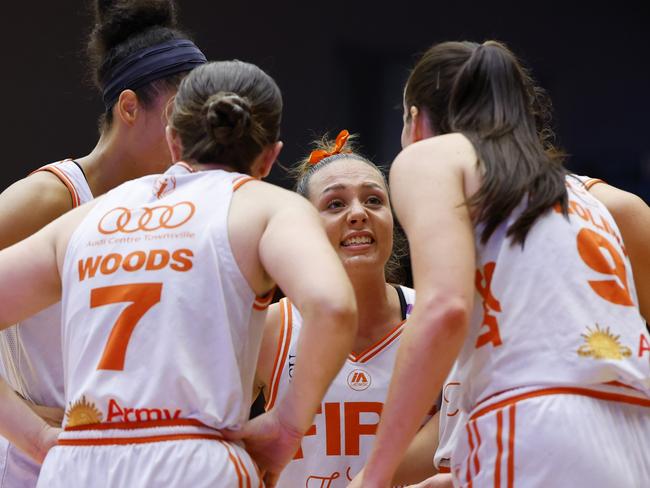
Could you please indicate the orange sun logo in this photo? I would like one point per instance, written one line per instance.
(602, 344)
(82, 413)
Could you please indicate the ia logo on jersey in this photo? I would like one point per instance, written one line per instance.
(359, 380)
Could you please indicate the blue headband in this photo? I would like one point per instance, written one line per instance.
(149, 64)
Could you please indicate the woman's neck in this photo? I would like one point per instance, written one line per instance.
(378, 306)
(107, 166)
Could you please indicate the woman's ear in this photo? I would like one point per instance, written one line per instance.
(421, 126)
(269, 157)
(174, 143)
(127, 107)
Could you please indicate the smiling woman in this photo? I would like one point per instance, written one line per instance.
(351, 195)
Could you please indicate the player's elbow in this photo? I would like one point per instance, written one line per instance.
(445, 315)
(337, 313)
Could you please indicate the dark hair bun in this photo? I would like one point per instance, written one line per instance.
(228, 117)
(117, 20)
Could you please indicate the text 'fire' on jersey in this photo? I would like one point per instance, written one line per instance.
(337, 445)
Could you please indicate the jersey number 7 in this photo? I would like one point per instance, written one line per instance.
(142, 296)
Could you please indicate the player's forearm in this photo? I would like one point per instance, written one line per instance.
(428, 349)
(417, 463)
(326, 339)
(19, 424)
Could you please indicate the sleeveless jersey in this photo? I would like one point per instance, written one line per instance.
(336, 447)
(161, 331)
(451, 422)
(31, 352)
(560, 311)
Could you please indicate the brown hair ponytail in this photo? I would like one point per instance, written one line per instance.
(483, 92)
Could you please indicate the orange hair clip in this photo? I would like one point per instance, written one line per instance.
(318, 155)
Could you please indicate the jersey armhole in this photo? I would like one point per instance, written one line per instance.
(284, 342)
(591, 182)
(241, 181)
(76, 201)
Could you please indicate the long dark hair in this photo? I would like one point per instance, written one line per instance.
(483, 92)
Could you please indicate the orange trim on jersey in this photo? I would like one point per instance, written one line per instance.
(259, 475)
(379, 346)
(240, 181)
(468, 474)
(444, 469)
(284, 341)
(76, 201)
(243, 467)
(263, 302)
(477, 465)
(108, 441)
(240, 469)
(563, 390)
(497, 464)
(138, 425)
(511, 448)
(591, 182)
(186, 166)
(234, 463)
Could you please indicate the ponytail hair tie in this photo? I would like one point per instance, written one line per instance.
(318, 155)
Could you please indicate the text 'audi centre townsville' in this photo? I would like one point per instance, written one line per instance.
(122, 225)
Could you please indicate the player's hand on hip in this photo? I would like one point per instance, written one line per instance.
(47, 439)
(270, 443)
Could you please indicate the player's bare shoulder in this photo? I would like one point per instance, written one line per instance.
(454, 151)
(258, 201)
(29, 204)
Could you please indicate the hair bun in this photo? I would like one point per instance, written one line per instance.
(228, 117)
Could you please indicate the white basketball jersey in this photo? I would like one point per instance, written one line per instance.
(451, 422)
(336, 447)
(31, 352)
(561, 310)
(160, 328)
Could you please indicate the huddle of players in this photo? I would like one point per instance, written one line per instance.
(527, 302)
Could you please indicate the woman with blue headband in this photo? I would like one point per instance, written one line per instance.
(138, 58)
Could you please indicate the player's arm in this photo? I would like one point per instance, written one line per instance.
(29, 270)
(30, 204)
(632, 217)
(417, 462)
(428, 191)
(296, 253)
(23, 427)
(29, 282)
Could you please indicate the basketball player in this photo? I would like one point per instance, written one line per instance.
(138, 57)
(166, 280)
(351, 196)
(521, 267)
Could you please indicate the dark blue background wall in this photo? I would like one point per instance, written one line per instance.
(343, 65)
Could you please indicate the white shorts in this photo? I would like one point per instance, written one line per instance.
(192, 463)
(556, 437)
(17, 470)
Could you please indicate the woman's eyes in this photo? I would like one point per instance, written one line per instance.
(373, 200)
(334, 204)
(338, 204)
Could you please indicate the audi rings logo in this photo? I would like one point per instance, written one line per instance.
(122, 219)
